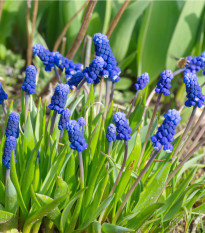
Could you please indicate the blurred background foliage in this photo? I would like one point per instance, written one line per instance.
(147, 37)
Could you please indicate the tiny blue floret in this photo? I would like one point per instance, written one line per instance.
(111, 133)
(29, 84)
(164, 83)
(165, 133)
(64, 119)
(10, 145)
(12, 128)
(142, 81)
(59, 98)
(3, 95)
(76, 136)
(123, 128)
(74, 80)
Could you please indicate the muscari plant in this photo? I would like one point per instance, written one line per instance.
(90, 174)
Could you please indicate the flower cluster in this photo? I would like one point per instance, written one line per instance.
(163, 84)
(194, 91)
(10, 145)
(64, 119)
(142, 81)
(50, 59)
(195, 64)
(123, 128)
(92, 73)
(12, 128)
(103, 49)
(111, 133)
(29, 84)
(75, 79)
(81, 121)
(76, 136)
(165, 133)
(3, 95)
(58, 100)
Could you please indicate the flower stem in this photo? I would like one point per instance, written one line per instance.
(61, 135)
(27, 96)
(107, 95)
(112, 92)
(81, 169)
(57, 74)
(100, 94)
(180, 166)
(7, 174)
(53, 122)
(4, 108)
(153, 156)
(133, 102)
(118, 177)
(193, 131)
(149, 130)
(189, 124)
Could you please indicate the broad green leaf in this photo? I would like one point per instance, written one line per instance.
(2, 193)
(41, 212)
(110, 228)
(29, 135)
(15, 181)
(5, 216)
(155, 35)
(144, 214)
(185, 32)
(11, 204)
(121, 36)
(200, 209)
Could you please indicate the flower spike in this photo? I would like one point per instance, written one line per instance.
(12, 128)
(10, 145)
(142, 81)
(111, 133)
(64, 119)
(3, 95)
(163, 84)
(165, 133)
(29, 84)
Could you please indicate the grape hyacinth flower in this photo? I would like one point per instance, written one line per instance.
(81, 122)
(123, 128)
(194, 91)
(165, 133)
(64, 119)
(59, 98)
(111, 133)
(12, 128)
(3, 96)
(29, 85)
(10, 145)
(141, 83)
(58, 102)
(163, 84)
(76, 136)
(74, 80)
(195, 64)
(92, 73)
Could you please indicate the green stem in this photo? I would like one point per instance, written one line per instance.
(57, 74)
(153, 156)
(7, 174)
(53, 122)
(27, 96)
(4, 108)
(132, 105)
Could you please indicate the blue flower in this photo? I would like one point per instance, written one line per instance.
(111, 133)
(195, 64)
(165, 133)
(45, 55)
(12, 128)
(142, 81)
(64, 119)
(10, 145)
(163, 84)
(64, 63)
(103, 49)
(92, 73)
(74, 80)
(194, 91)
(76, 136)
(3, 95)
(81, 121)
(58, 100)
(29, 84)
(123, 128)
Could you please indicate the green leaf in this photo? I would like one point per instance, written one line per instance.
(200, 209)
(124, 84)
(2, 193)
(15, 181)
(5, 216)
(110, 228)
(61, 187)
(11, 203)
(29, 135)
(155, 35)
(185, 32)
(41, 212)
(143, 216)
(121, 36)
